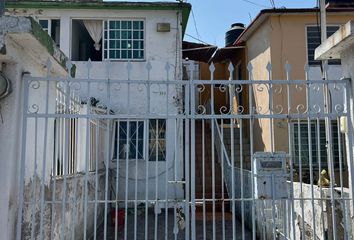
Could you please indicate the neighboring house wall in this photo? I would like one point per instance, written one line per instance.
(289, 37)
(258, 49)
(285, 37)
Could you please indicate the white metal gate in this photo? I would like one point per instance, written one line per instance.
(119, 159)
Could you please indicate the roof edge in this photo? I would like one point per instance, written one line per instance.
(263, 14)
(180, 6)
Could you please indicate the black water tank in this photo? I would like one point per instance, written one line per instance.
(232, 34)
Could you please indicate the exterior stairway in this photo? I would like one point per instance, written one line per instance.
(208, 191)
(246, 158)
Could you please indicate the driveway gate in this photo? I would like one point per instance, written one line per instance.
(123, 158)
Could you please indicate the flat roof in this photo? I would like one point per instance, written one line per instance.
(99, 5)
(336, 44)
(265, 13)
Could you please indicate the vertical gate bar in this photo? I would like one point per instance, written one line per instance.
(136, 180)
(176, 158)
(167, 67)
(106, 189)
(300, 178)
(328, 124)
(34, 181)
(106, 180)
(166, 195)
(271, 132)
(97, 130)
(129, 67)
(146, 144)
(309, 136)
(66, 155)
(270, 107)
(251, 113)
(54, 162)
(74, 215)
(273, 207)
(87, 151)
(319, 172)
(44, 163)
(156, 127)
(222, 178)
(116, 134)
(87, 156)
(242, 189)
(146, 148)
(212, 68)
(186, 162)
(203, 177)
(349, 116)
(21, 179)
(346, 227)
(72, 200)
(232, 134)
(192, 109)
(193, 170)
(291, 157)
(127, 151)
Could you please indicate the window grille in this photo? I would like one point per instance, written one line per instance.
(318, 143)
(123, 40)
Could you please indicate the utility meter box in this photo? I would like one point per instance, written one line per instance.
(270, 175)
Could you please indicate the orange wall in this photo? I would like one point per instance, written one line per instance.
(280, 39)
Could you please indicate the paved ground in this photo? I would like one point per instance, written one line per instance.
(140, 234)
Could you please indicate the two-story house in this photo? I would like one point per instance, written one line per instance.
(113, 44)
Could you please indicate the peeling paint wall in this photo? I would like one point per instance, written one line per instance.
(53, 219)
(14, 64)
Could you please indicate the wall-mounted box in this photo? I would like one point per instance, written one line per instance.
(163, 27)
(270, 175)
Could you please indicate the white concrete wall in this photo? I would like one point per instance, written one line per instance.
(160, 48)
(15, 64)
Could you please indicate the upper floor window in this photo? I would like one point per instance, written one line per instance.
(52, 27)
(314, 40)
(123, 40)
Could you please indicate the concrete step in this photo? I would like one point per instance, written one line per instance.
(209, 206)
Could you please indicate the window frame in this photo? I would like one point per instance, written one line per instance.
(63, 150)
(150, 156)
(115, 140)
(330, 62)
(146, 141)
(49, 28)
(143, 20)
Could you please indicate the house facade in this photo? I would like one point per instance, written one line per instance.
(124, 34)
(122, 43)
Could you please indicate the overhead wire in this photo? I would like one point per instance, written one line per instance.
(195, 38)
(256, 4)
(195, 24)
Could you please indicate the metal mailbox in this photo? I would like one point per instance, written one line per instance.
(270, 175)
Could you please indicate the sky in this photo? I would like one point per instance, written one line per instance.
(214, 17)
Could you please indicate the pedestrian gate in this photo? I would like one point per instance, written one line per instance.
(123, 158)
